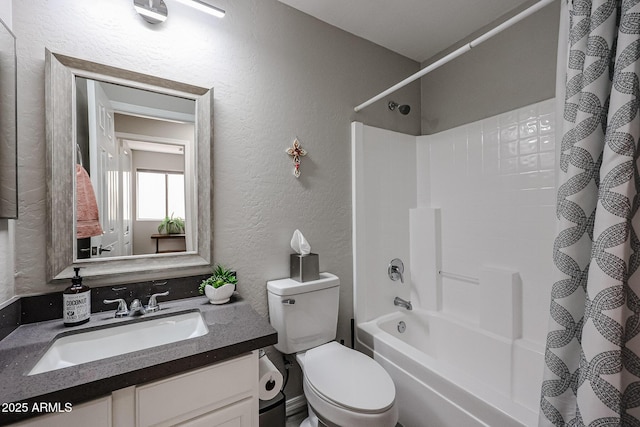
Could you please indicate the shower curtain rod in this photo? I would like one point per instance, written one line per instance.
(464, 49)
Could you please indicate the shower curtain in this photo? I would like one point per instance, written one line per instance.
(592, 359)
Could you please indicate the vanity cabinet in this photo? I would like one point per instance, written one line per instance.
(221, 394)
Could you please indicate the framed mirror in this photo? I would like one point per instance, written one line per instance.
(8, 139)
(129, 173)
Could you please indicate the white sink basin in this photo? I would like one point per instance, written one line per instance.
(99, 344)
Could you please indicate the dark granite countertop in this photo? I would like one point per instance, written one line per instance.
(234, 329)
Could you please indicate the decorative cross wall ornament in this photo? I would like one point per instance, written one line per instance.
(296, 152)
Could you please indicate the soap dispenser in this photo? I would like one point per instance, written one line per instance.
(76, 301)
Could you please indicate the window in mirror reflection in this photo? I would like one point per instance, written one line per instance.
(164, 196)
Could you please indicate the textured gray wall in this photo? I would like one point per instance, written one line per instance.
(513, 69)
(276, 73)
(7, 242)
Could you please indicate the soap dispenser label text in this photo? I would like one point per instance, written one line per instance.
(76, 307)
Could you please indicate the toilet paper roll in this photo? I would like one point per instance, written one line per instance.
(270, 379)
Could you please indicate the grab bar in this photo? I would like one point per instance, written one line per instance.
(460, 277)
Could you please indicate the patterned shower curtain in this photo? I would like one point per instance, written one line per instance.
(592, 359)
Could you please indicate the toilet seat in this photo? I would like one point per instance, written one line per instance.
(334, 415)
(348, 379)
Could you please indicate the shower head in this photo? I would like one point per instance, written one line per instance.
(404, 109)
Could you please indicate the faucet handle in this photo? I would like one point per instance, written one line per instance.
(396, 270)
(122, 310)
(153, 303)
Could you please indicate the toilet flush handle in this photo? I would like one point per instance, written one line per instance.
(288, 301)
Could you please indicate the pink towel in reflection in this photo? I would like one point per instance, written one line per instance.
(87, 209)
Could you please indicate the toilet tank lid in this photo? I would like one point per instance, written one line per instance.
(285, 287)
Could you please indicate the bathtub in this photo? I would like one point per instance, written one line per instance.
(449, 373)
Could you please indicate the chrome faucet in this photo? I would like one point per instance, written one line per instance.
(402, 303)
(137, 308)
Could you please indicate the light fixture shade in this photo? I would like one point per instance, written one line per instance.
(204, 7)
(152, 11)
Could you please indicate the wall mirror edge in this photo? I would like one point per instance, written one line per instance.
(60, 71)
(8, 126)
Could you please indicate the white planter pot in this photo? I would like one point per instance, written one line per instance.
(219, 295)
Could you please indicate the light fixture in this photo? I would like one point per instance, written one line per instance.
(204, 7)
(152, 11)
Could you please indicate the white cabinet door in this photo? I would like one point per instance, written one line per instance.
(95, 413)
(237, 415)
(224, 394)
(187, 396)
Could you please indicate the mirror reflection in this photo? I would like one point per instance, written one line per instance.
(134, 166)
(163, 104)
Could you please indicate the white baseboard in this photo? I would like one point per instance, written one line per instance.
(295, 405)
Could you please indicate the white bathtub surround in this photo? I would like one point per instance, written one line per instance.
(593, 348)
(501, 302)
(490, 185)
(425, 244)
(385, 160)
(475, 230)
(494, 182)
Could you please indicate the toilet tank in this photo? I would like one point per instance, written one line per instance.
(305, 314)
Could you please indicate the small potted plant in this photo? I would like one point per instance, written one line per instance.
(220, 286)
(172, 225)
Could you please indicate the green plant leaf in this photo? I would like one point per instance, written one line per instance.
(172, 225)
(220, 277)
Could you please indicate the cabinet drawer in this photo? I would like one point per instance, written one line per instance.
(197, 392)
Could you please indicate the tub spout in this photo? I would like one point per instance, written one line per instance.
(402, 303)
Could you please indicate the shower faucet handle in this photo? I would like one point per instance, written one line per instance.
(396, 270)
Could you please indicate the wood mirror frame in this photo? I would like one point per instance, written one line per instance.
(60, 73)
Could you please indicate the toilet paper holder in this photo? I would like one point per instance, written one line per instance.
(270, 379)
(271, 383)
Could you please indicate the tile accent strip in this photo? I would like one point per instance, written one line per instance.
(9, 318)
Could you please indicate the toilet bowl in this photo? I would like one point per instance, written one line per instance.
(343, 387)
(346, 388)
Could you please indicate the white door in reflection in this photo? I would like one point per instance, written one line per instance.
(125, 197)
(104, 155)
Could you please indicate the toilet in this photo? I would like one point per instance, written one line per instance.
(343, 387)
